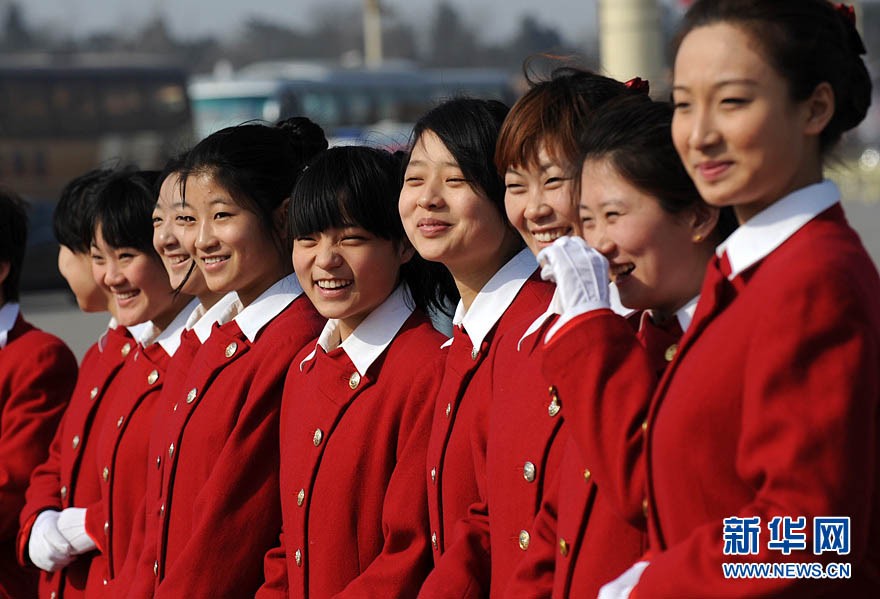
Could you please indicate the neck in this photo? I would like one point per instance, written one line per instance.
(808, 174)
(164, 319)
(209, 298)
(247, 295)
(472, 277)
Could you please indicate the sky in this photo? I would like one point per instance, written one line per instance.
(189, 19)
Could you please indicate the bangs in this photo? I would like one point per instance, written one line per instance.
(348, 186)
(124, 210)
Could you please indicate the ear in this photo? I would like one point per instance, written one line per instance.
(406, 251)
(702, 221)
(819, 109)
(280, 218)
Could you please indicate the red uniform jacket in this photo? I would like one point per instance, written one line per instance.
(580, 540)
(516, 464)
(122, 455)
(66, 478)
(460, 416)
(37, 376)
(212, 507)
(352, 456)
(769, 409)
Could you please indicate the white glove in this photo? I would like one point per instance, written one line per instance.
(581, 277)
(47, 547)
(622, 586)
(72, 524)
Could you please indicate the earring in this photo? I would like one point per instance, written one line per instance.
(698, 238)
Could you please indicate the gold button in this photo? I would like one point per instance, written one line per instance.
(153, 377)
(158, 461)
(552, 390)
(563, 547)
(105, 581)
(474, 353)
(231, 349)
(448, 409)
(106, 473)
(75, 442)
(93, 393)
(587, 475)
(434, 539)
(162, 510)
(174, 407)
(63, 492)
(52, 595)
(191, 396)
(433, 475)
(524, 539)
(319, 435)
(298, 556)
(645, 426)
(300, 497)
(645, 507)
(106, 528)
(671, 351)
(553, 408)
(156, 568)
(171, 450)
(529, 472)
(354, 380)
(119, 422)
(125, 349)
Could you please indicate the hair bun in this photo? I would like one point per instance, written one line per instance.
(304, 133)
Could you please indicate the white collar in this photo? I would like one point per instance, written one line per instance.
(494, 298)
(8, 315)
(270, 304)
(684, 315)
(555, 309)
(370, 338)
(169, 339)
(756, 238)
(226, 308)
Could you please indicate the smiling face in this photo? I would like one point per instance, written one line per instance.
(76, 268)
(538, 201)
(347, 272)
(136, 281)
(654, 259)
(444, 217)
(167, 233)
(231, 246)
(743, 141)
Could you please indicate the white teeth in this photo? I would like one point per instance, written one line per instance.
(622, 269)
(215, 260)
(126, 295)
(332, 284)
(549, 236)
(178, 259)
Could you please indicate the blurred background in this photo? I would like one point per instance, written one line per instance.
(85, 83)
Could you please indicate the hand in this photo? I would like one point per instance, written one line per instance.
(581, 277)
(47, 547)
(622, 586)
(72, 524)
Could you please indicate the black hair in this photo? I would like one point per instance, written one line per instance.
(123, 209)
(257, 164)
(13, 239)
(173, 165)
(469, 128)
(71, 219)
(634, 134)
(808, 42)
(359, 186)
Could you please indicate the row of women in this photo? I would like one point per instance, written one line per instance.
(695, 348)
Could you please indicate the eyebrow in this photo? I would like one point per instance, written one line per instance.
(424, 163)
(750, 82)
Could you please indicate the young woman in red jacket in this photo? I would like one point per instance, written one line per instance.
(213, 508)
(535, 152)
(37, 376)
(641, 211)
(49, 538)
(358, 401)
(765, 422)
(452, 209)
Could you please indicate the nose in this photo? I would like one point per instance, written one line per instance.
(164, 237)
(597, 237)
(113, 275)
(326, 257)
(205, 238)
(703, 133)
(536, 208)
(431, 196)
